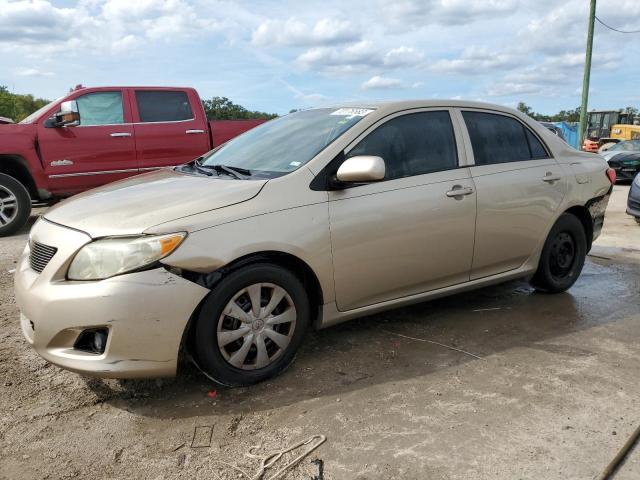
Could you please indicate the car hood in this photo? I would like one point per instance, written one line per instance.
(133, 205)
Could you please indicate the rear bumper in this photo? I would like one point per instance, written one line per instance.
(597, 207)
(145, 313)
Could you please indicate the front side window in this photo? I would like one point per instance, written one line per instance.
(163, 106)
(100, 108)
(499, 139)
(412, 144)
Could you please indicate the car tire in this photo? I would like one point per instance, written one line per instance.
(15, 205)
(563, 256)
(256, 348)
(637, 220)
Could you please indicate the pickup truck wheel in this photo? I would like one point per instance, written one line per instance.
(562, 256)
(251, 325)
(15, 205)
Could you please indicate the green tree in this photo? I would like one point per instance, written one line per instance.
(18, 107)
(221, 108)
(524, 108)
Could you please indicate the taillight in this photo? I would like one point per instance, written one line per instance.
(611, 175)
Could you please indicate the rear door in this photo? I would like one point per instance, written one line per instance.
(409, 233)
(519, 189)
(169, 125)
(99, 150)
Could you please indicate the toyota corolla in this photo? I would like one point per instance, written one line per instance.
(309, 220)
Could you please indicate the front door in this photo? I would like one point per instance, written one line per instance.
(99, 150)
(411, 232)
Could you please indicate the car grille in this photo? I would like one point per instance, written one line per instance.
(41, 255)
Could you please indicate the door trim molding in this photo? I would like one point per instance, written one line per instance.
(100, 172)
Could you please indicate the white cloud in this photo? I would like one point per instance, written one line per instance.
(381, 83)
(475, 60)
(403, 14)
(402, 56)
(33, 72)
(358, 57)
(39, 27)
(326, 31)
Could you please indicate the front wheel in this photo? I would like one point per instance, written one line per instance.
(15, 205)
(251, 325)
(562, 256)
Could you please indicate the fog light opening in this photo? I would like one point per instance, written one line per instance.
(92, 341)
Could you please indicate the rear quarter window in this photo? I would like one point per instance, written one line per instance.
(163, 106)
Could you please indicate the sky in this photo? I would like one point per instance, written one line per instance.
(278, 55)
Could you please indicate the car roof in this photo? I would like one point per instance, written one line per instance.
(395, 105)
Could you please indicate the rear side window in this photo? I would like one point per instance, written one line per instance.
(163, 106)
(412, 144)
(499, 139)
(100, 108)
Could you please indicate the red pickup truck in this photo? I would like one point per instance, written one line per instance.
(93, 136)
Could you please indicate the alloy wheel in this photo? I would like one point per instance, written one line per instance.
(8, 206)
(256, 326)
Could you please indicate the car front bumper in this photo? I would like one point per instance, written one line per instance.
(145, 313)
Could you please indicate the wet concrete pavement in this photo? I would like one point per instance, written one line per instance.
(501, 383)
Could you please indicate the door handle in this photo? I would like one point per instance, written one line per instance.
(120, 134)
(550, 178)
(191, 132)
(458, 191)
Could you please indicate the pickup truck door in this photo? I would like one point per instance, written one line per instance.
(170, 127)
(99, 150)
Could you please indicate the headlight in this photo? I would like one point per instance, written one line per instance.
(111, 256)
(638, 179)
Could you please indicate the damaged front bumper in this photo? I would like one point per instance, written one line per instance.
(144, 313)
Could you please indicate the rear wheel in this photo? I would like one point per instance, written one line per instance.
(15, 205)
(251, 325)
(637, 220)
(562, 256)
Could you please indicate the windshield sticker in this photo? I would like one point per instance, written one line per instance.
(352, 112)
(295, 164)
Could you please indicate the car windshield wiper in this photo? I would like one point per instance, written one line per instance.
(199, 167)
(235, 172)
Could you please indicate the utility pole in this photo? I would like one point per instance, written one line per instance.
(587, 72)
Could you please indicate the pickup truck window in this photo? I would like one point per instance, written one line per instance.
(100, 108)
(163, 106)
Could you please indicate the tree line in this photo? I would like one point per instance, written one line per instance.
(564, 115)
(17, 107)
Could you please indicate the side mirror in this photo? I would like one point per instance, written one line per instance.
(361, 169)
(68, 116)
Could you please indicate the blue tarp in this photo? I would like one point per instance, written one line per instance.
(570, 132)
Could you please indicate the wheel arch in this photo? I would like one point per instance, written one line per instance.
(15, 166)
(582, 214)
(285, 260)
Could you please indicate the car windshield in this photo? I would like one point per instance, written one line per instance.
(285, 144)
(628, 146)
(40, 111)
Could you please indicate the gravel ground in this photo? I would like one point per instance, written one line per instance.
(552, 396)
